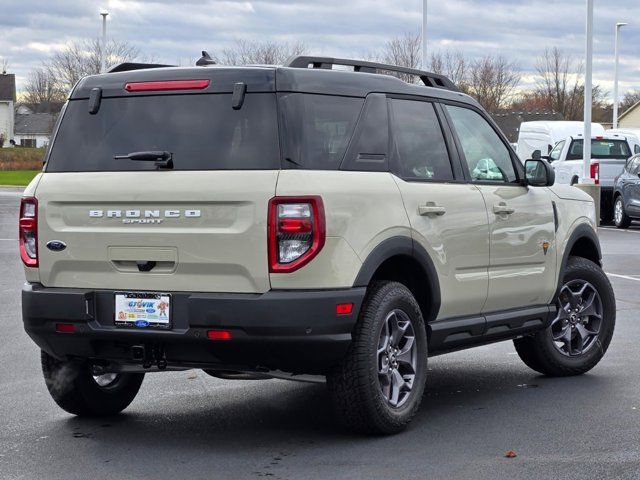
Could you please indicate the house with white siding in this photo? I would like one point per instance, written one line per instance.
(7, 102)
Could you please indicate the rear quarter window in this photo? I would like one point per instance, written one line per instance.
(316, 129)
(203, 132)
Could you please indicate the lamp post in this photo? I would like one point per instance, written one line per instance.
(586, 174)
(424, 34)
(619, 25)
(104, 41)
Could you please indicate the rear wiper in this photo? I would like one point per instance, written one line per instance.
(162, 158)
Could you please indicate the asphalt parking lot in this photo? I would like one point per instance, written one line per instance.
(478, 405)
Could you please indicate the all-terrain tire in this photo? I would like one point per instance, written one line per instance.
(538, 351)
(73, 388)
(354, 386)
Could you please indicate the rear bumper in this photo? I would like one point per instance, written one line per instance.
(293, 331)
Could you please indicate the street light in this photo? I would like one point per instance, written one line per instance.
(619, 25)
(424, 34)
(586, 171)
(104, 41)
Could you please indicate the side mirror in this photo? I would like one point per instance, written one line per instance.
(539, 173)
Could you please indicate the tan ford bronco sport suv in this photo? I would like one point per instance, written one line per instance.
(298, 220)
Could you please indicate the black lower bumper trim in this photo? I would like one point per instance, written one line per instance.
(294, 331)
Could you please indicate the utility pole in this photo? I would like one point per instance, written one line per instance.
(103, 68)
(424, 34)
(616, 100)
(588, 82)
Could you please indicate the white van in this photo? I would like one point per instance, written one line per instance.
(543, 135)
(631, 134)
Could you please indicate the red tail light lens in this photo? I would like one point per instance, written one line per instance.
(165, 85)
(28, 231)
(296, 232)
(65, 327)
(219, 335)
(595, 172)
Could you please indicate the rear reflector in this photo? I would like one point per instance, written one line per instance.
(65, 327)
(165, 85)
(218, 334)
(344, 308)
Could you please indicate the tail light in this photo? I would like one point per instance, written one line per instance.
(595, 172)
(28, 231)
(296, 232)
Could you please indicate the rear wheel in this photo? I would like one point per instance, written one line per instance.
(75, 387)
(580, 334)
(379, 385)
(620, 217)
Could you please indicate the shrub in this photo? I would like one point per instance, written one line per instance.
(21, 158)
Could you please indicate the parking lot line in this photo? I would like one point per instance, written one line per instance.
(626, 277)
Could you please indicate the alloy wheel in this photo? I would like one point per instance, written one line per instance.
(577, 325)
(397, 358)
(618, 211)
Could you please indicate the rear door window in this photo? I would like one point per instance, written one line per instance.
(202, 132)
(602, 149)
(420, 151)
(316, 129)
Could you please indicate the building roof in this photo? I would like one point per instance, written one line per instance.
(629, 110)
(509, 121)
(7, 87)
(34, 123)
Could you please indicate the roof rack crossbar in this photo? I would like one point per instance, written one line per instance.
(429, 79)
(127, 66)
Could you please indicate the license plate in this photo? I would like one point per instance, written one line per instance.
(143, 310)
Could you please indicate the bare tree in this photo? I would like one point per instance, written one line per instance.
(4, 65)
(247, 52)
(492, 80)
(42, 88)
(560, 83)
(403, 51)
(451, 64)
(629, 100)
(81, 58)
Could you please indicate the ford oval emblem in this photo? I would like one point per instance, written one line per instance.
(56, 245)
(142, 323)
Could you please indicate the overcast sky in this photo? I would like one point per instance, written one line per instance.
(176, 31)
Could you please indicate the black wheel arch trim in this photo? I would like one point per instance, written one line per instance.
(582, 231)
(402, 246)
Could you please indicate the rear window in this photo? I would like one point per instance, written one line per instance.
(600, 149)
(316, 129)
(203, 132)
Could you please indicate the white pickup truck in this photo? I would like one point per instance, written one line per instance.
(609, 154)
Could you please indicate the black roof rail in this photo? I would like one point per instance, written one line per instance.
(428, 78)
(125, 67)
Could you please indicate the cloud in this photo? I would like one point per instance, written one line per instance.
(174, 30)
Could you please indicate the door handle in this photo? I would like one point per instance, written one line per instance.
(502, 208)
(430, 208)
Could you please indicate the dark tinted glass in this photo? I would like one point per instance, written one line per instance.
(369, 147)
(600, 149)
(316, 129)
(203, 132)
(420, 151)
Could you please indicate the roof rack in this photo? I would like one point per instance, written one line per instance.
(429, 79)
(125, 67)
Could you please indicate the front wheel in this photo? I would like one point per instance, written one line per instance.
(620, 217)
(378, 386)
(77, 389)
(581, 331)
